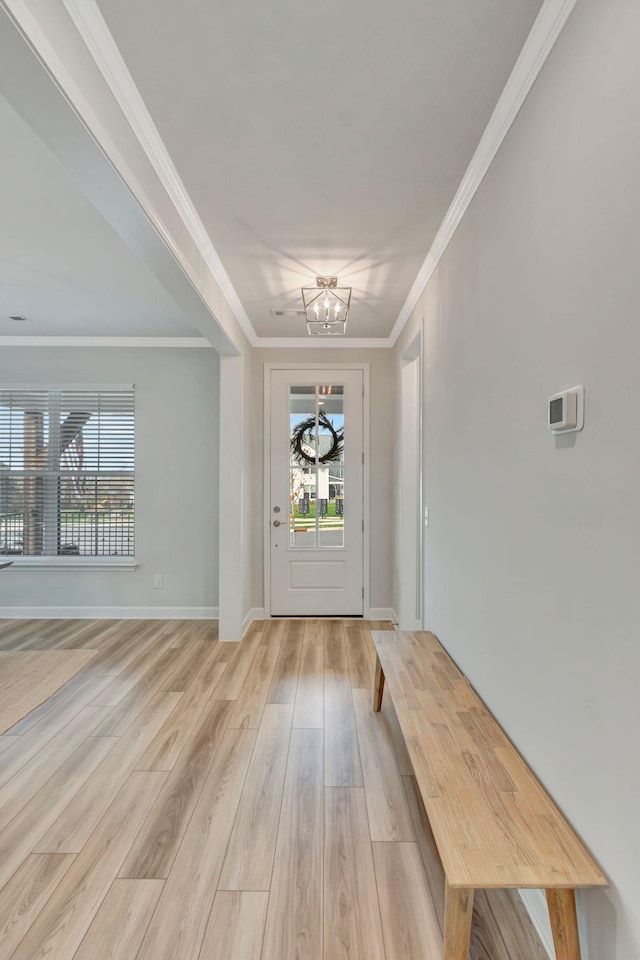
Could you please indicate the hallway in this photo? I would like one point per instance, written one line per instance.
(183, 798)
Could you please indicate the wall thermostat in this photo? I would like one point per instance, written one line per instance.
(566, 411)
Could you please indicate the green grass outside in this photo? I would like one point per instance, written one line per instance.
(312, 511)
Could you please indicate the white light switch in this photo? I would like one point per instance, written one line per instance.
(426, 516)
(158, 581)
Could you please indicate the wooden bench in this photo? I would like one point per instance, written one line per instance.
(493, 823)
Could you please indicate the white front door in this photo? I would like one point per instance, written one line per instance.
(316, 492)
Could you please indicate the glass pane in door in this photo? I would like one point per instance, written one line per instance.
(316, 466)
(330, 483)
(303, 443)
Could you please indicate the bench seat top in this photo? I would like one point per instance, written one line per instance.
(493, 822)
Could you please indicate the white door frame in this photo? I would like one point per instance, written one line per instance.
(410, 514)
(266, 512)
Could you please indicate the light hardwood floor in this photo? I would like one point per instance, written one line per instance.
(182, 799)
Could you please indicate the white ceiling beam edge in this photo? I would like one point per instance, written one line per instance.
(542, 37)
(174, 343)
(75, 117)
(538, 45)
(373, 343)
(89, 23)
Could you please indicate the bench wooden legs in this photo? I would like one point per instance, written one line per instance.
(378, 686)
(458, 911)
(564, 923)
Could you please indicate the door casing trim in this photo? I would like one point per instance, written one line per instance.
(266, 466)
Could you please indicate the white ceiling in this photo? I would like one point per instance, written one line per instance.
(321, 138)
(61, 264)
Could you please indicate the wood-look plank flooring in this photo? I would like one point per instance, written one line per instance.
(180, 799)
(27, 678)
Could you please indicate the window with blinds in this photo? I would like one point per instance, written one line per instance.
(67, 471)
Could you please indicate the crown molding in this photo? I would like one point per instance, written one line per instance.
(71, 109)
(364, 343)
(194, 342)
(538, 45)
(90, 24)
(88, 21)
(174, 342)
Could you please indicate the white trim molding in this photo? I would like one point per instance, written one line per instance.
(172, 342)
(535, 904)
(381, 613)
(108, 613)
(66, 101)
(255, 613)
(363, 343)
(20, 562)
(87, 19)
(538, 45)
(90, 24)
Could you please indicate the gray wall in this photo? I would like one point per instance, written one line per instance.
(532, 551)
(177, 402)
(381, 471)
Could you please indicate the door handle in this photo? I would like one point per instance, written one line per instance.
(276, 523)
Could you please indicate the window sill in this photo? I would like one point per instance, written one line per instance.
(70, 563)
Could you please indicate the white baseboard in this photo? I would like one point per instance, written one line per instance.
(381, 613)
(256, 613)
(536, 906)
(108, 613)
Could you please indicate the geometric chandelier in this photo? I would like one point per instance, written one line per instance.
(326, 307)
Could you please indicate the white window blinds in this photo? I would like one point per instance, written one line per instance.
(67, 471)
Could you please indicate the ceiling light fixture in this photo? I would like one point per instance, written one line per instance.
(18, 318)
(326, 307)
